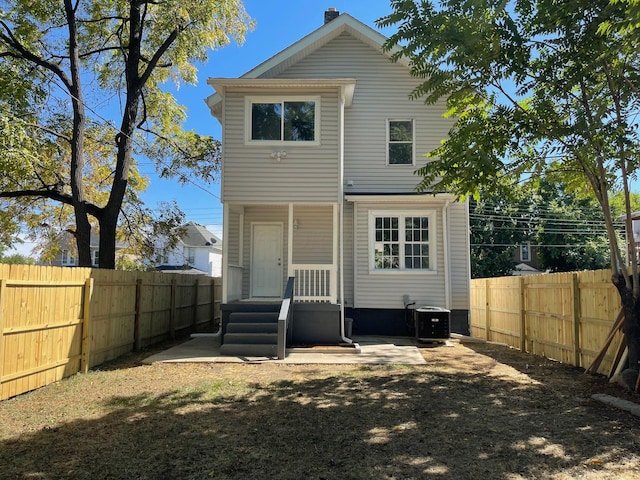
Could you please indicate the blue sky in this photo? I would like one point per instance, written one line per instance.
(279, 23)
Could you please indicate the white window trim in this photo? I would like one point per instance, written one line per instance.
(528, 246)
(279, 99)
(413, 142)
(430, 214)
(67, 258)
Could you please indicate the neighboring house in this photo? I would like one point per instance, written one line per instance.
(198, 251)
(526, 254)
(68, 256)
(632, 239)
(320, 145)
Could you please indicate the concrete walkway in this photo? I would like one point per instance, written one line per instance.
(367, 350)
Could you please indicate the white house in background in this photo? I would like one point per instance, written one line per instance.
(68, 252)
(320, 145)
(198, 251)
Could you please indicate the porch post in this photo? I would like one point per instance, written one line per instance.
(290, 242)
(225, 251)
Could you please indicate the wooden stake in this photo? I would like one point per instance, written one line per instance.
(617, 325)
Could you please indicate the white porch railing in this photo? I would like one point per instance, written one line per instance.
(315, 283)
(234, 288)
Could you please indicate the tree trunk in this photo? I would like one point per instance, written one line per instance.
(631, 329)
(124, 141)
(83, 227)
(107, 247)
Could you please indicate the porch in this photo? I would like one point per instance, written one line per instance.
(281, 278)
(264, 245)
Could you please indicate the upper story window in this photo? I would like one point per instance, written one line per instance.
(402, 241)
(96, 258)
(67, 257)
(283, 120)
(525, 252)
(400, 135)
(190, 255)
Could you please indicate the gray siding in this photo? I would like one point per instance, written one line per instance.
(233, 246)
(307, 173)
(313, 239)
(348, 256)
(382, 92)
(459, 248)
(386, 289)
(264, 214)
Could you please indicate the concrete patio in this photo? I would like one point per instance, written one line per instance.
(203, 348)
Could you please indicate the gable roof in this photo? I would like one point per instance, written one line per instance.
(343, 23)
(197, 235)
(291, 55)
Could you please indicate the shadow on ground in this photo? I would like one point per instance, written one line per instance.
(369, 422)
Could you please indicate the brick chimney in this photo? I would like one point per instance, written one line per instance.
(330, 14)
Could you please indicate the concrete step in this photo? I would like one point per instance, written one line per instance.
(246, 327)
(250, 338)
(248, 350)
(253, 317)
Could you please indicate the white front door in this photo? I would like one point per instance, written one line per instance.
(266, 260)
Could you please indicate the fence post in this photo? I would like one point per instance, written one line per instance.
(523, 317)
(487, 311)
(136, 318)
(172, 313)
(3, 294)
(85, 356)
(195, 306)
(575, 290)
(213, 302)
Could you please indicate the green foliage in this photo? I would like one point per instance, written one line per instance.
(566, 231)
(60, 63)
(536, 88)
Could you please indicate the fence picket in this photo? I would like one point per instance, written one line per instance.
(57, 321)
(564, 316)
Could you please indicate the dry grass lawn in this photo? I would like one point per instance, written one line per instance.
(475, 411)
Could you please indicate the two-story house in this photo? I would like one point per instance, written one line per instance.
(320, 145)
(197, 251)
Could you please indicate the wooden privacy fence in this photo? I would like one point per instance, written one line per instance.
(563, 316)
(57, 321)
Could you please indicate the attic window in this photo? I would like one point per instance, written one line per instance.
(283, 120)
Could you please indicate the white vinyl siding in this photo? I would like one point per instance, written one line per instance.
(382, 92)
(251, 173)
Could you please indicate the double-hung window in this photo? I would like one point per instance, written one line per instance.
(400, 135)
(68, 257)
(190, 255)
(402, 242)
(283, 120)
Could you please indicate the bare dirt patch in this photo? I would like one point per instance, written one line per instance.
(475, 411)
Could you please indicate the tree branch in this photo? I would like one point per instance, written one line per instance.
(24, 53)
(51, 194)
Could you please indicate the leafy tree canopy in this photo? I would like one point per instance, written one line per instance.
(82, 99)
(536, 87)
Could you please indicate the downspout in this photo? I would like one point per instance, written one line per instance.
(343, 338)
(445, 238)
